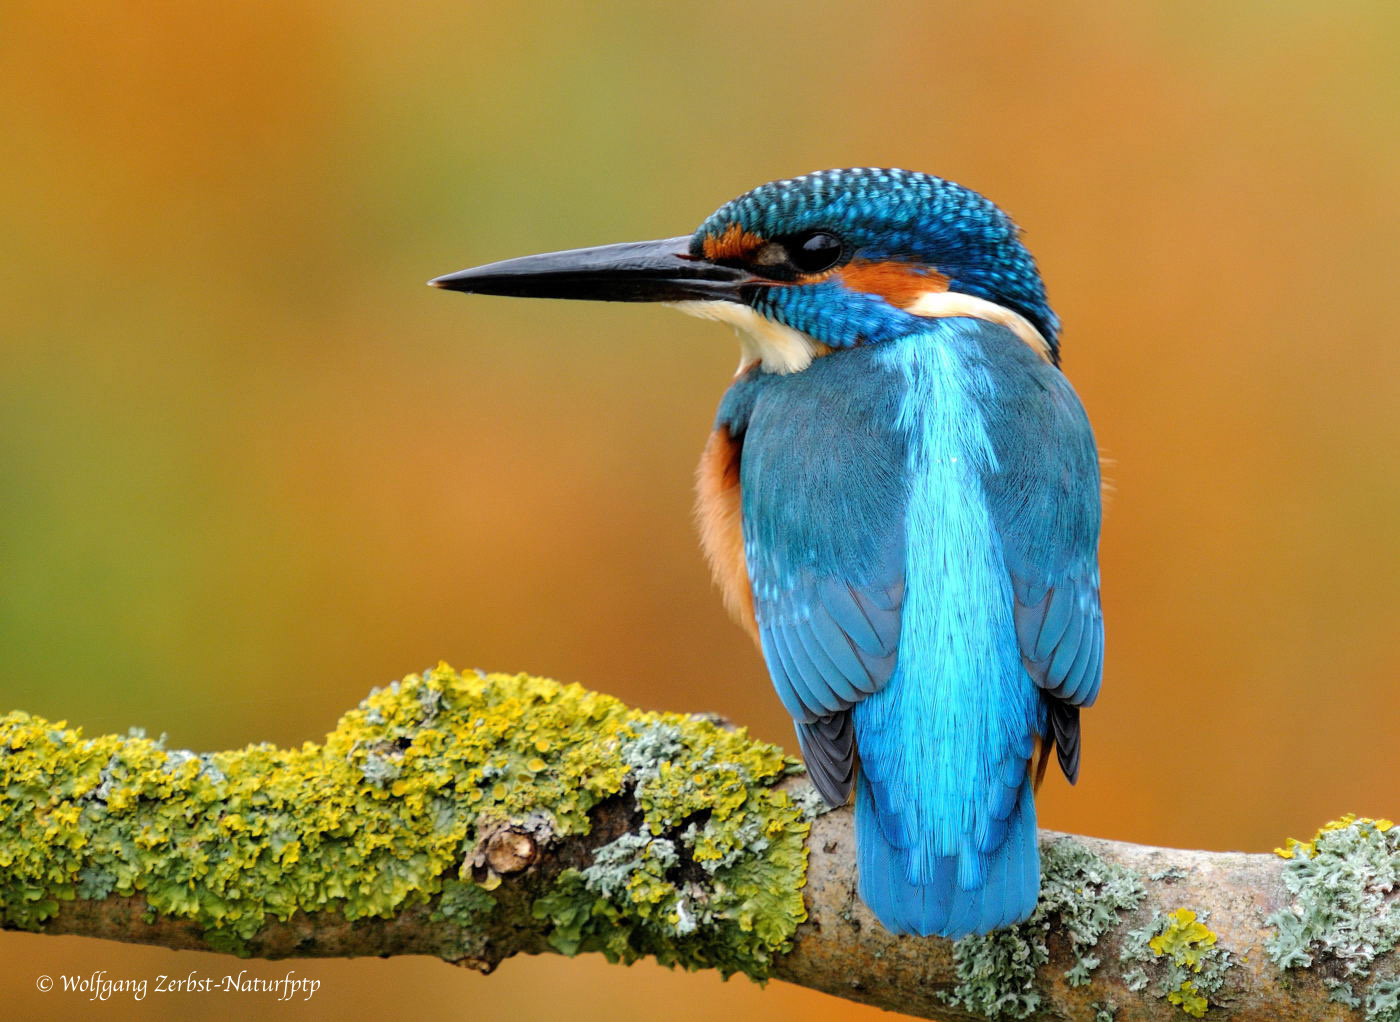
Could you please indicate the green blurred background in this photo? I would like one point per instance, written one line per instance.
(250, 466)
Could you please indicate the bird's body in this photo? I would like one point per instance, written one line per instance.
(878, 526)
(900, 502)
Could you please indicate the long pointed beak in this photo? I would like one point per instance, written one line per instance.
(635, 271)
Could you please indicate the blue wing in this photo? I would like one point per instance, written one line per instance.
(1045, 501)
(823, 525)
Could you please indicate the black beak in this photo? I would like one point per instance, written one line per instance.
(635, 271)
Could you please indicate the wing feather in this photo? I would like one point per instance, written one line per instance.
(828, 747)
(822, 515)
(1046, 500)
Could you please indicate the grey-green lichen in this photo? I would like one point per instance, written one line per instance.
(1081, 896)
(1383, 1001)
(704, 859)
(1345, 911)
(464, 907)
(389, 811)
(1183, 952)
(1104, 1011)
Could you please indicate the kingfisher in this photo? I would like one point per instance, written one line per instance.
(899, 501)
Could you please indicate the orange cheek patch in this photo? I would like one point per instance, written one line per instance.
(734, 243)
(900, 284)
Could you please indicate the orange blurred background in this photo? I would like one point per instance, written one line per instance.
(250, 466)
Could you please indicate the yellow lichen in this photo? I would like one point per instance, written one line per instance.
(1189, 999)
(1188, 945)
(1185, 940)
(386, 811)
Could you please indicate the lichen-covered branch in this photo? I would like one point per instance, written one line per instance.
(476, 816)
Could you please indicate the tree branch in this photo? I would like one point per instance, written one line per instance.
(475, 817)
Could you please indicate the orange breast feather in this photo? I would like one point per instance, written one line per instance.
(721, 529)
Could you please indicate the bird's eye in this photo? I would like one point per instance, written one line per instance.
(815, 252)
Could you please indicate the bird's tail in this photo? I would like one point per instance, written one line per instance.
(992, 890)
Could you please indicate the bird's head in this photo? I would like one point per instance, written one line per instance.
(826, 261)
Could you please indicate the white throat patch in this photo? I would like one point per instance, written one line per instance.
(777, 348)
(937, 304)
